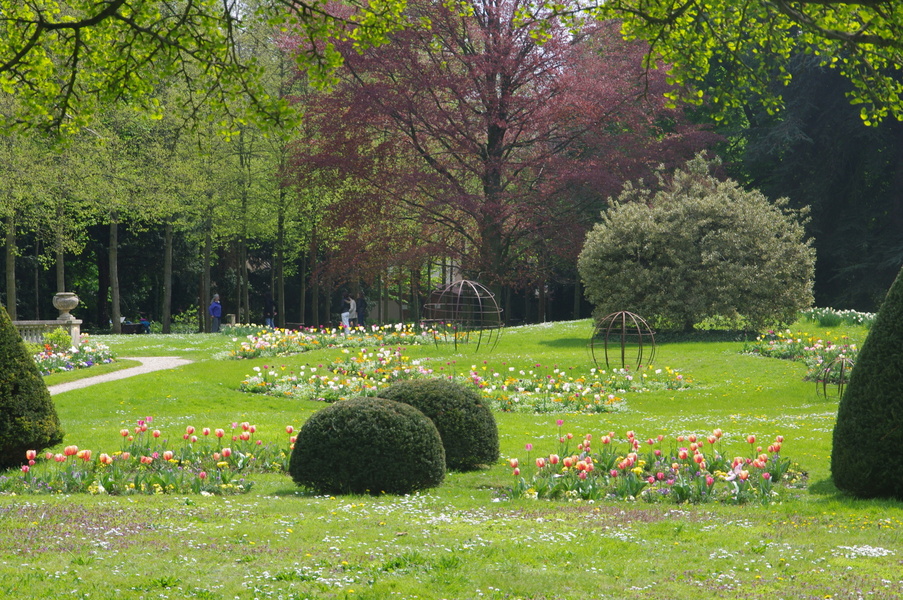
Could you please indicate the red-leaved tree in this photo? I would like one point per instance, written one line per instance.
(467, 134)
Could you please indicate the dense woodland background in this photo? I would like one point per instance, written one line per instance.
(463, 149)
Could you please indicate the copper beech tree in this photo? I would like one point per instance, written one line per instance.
(468, 133)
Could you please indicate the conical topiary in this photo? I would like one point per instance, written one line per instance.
(28, 418)
(868, 436)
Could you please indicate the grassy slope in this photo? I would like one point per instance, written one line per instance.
(456, 541)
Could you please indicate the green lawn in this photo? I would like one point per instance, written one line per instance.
(463, 539)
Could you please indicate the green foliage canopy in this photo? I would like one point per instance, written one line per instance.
(699, 248)
(753, 39)
(62, 59)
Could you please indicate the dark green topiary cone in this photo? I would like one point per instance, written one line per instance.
(28, 418)
(866, 460)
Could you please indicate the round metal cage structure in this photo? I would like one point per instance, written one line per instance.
(627, 332)
(462, 310)
(834, 375)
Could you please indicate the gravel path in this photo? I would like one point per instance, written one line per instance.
(148, 365)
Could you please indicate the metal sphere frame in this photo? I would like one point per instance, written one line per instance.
(843, 365)
(469, 309)
(628, 328)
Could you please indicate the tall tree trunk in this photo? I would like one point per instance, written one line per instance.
(37, 280)
(280, 265)
(315, 287)
(115, 308)
(578, 292)
(303, 300)
(60, 268)
(205, 278)
(541, 317)
(11, 268)
(166, 315)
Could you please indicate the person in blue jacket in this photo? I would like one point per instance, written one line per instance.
(216, 312)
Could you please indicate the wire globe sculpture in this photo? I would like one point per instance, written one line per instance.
(834, 376)
(628, 333)
(463, 310)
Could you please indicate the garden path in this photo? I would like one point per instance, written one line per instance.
(148, 365)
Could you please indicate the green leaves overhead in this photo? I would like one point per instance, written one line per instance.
(63, 59)
(751, 41)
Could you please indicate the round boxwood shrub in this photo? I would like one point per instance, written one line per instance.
(28, 419)
(868, 436)
(468, 429)
(368, 445)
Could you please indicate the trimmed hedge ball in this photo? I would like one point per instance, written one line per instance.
(467, 426)
(368, 445)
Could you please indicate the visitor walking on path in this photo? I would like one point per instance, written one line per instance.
(216, 313)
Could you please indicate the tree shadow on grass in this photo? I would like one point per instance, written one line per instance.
(827, 491)
(566, 343)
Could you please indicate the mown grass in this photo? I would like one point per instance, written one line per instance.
(462, 540)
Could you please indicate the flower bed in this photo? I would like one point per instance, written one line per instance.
(87, 354)
(536, 388)
(815, 352)
(206, 461)
(690, 470)
(283, 342)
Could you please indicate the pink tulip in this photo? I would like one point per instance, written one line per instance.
(766, 476)
(206, 431)
(559, 422)
(293, 439)
(779, 439)
(709, 480)
(194, 439)
(516, 472)
(529, 447)
(59, 457)
(48, 455)
(202, 475)
(613, 473)
(25, 468)
(125, 455)
(156, 433)
(31, 454)
(216, 456)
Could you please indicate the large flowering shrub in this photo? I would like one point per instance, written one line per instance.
(533, 388)
(690, 469)
(282, 342)
(54, 359)
(206, 461)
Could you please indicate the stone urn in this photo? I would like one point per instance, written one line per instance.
(64, 302)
